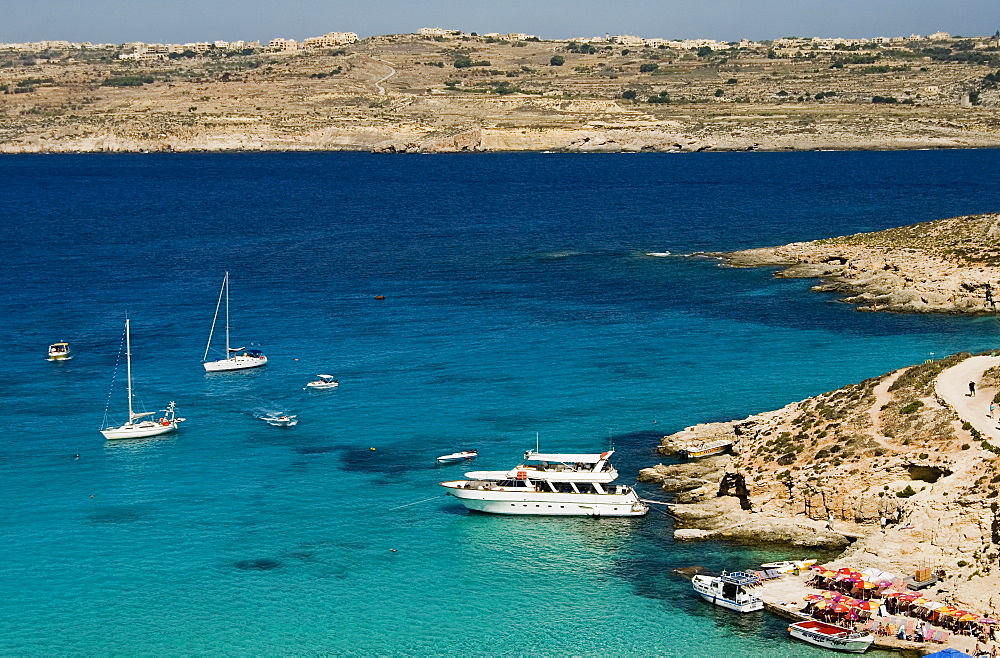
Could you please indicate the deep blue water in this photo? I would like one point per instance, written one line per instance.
(519, 299)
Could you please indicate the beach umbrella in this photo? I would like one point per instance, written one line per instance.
(968, 617)
(865, 605)
(822, 604)
(812, 597)
(909, 596)
(884, 583)
(827, 574)
(867, 584)
(919, 601)
(986, 620)
(839, 608)
(829, 594)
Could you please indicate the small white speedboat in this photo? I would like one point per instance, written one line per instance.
(280, 421)
(788, 566)
(454, 457)
(323, 381)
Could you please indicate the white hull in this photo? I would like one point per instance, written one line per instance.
(138, 430)
(492, 501)
(711, 590)
(235, 363)
(322, 386)
(532, 473)
(847, 644)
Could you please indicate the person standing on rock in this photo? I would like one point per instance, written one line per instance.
(972, 389)
(993, 408)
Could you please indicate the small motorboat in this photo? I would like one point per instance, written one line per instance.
(830, 636)
(323, 381)
(455, 457)
(280, 421)
(729, 591)
(59, 352)
(788, 566)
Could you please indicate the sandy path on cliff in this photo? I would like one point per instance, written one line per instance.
(952, 386)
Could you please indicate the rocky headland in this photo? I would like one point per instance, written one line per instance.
(945, 266)
(885, 470)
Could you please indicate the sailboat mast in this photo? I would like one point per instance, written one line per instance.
(226, 285)
(128, 360)
(215, 318)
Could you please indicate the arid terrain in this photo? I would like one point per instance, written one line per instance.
(945, 266)
(405, 93)
(905, 479)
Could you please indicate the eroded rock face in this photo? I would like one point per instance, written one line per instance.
(945, 266)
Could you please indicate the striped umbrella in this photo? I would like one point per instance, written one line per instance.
(865, 605)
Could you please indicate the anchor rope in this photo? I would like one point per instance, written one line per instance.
(416, 503)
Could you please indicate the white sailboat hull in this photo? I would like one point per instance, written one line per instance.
(493, 501)
(235, 363)
(138, 430)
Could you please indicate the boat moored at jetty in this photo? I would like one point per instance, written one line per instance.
(830, 636)
(788, 566)
(547, 497)
(59, 352)
(729, 591)
(550, 484)
(236, 358)
(556, 467)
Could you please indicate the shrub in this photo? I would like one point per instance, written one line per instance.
(663, 97)
(911, 407)
(906, 493)
(719, 93)
(127, 81)
(557, 60)
(648, 68)
(962, 563)
(731, 81)
(629, 94)
(965, 446)
(883, 99)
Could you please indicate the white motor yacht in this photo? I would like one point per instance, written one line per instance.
(550, 484)
(547, 497)
(464, 455)
(556, 467)
(729, 591)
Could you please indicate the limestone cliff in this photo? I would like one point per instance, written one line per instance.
(945, 266)
(884, 451)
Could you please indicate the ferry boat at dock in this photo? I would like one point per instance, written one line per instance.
(830, 636)
(729, 591)
(558, 485)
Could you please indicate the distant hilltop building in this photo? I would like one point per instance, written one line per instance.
(939, 36)
(38, 46)
(330, 40)
(438, 32)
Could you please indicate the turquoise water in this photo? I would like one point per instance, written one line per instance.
(518, 300)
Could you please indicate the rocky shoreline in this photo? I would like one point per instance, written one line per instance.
(945, 266)
(883, 470)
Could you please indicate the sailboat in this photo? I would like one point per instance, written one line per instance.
(138, 425)
(237, 358)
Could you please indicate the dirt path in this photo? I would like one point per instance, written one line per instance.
(882, 397)
(952, 386)
(378, 83)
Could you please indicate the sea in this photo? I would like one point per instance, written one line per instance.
(521, 304)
